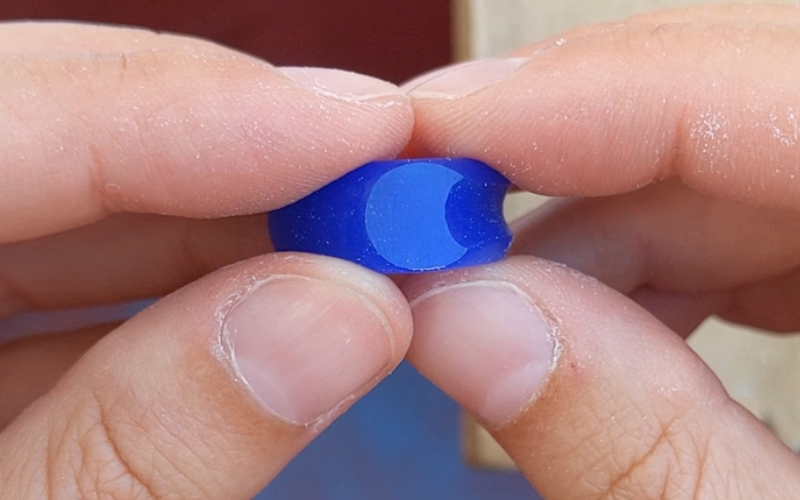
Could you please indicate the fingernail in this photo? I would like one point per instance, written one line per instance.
(305, 346)
(341, 84)
(431, 75)
(486, 344)
(464, 79)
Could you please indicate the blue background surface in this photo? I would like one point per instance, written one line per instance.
(402, 441)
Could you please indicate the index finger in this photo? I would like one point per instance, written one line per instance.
(713, 102)
(174, 127)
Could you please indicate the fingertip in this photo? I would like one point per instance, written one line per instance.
(304, 346)
(345, 85)
(212, 134)
(623, 404)
(380, 290)
(464, 79)
(211, 391)
(487, 344)
(612, 110)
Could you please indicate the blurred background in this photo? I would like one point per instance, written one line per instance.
(390, 39)
(406, 440)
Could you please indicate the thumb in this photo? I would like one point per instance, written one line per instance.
(592, 396)
(211, 391)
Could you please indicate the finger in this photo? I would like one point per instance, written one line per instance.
(705, 14)
(192, 133)
(121, 258)
(697, 14)
(713, 104)
(210, 392)
(698, 255)
(590, 395)
(36, 323)
(682, 313)
(31, 367)
(48, 37)
(771, 304)
(665, 236)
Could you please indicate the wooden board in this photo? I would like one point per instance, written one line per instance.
(761, 372)
(486, 28)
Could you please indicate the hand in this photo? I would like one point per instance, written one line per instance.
(129, 164)
(589, 385)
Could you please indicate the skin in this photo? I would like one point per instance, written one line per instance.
(672, 136)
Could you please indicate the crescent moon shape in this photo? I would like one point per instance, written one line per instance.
(406, 217)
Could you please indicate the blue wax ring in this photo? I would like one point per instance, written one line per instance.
(402, 216)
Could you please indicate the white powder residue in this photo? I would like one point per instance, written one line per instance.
(785, 129)
(710, 131)
(709, 127)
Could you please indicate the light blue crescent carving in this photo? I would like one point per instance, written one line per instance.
(401, 213)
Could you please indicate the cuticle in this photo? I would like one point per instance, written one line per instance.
(222, 314)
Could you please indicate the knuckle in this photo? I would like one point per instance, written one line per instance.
(646, 39)
(192, 261)
(85, 459)
(98, 453)
(637, 454)
(667, 460)
(653, 466)
(13, 296)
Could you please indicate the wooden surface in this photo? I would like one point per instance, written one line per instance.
(485, 28)
(762, 372)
